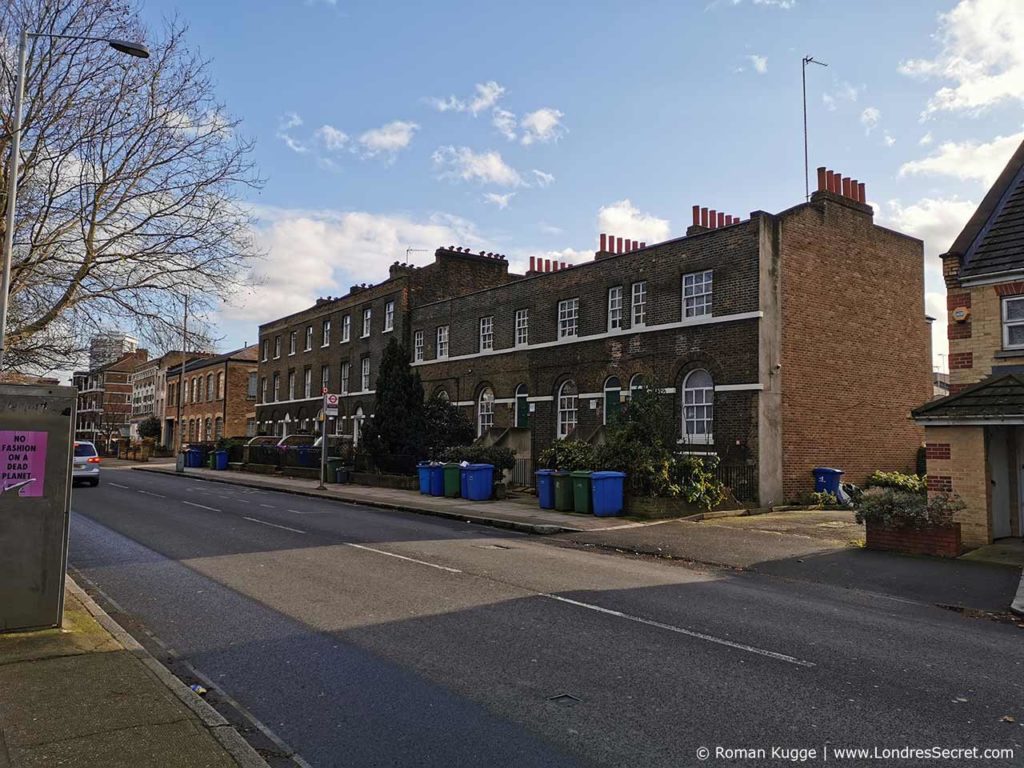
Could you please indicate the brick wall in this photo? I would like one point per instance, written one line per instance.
(956, 463)
(855, 344)
(976, 346)
(727, 350)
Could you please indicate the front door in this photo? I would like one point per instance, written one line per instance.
(522, 412)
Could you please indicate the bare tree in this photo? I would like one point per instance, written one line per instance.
(129, 181)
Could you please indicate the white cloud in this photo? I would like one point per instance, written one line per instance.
(316, 253)
(501, 201)
(542, 179)
(485, 96)
(937, 222)
(484, 167)
(869, 118)
(505, 122)
(888, 139)
(967, 160)
(760, 63)
(332, 138)
(550, 229)
(388, 139)
(285, 124)
(842, 92)
(981, 54)
(542, 125)
(925, 140)
(623, 219)
(783, 4)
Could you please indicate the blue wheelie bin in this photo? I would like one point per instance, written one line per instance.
(480, 482)
(436, 472)
(827, 480)
(608, 493)
(220, 460)
(545, 488)
(464, 481)
(423, 470)
(195, 458)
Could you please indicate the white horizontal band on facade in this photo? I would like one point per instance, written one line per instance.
(590, 395)
(688, 323)
(1006, 421)
(541, 399)
(464, 403)
(738, 387)
(504, 401)
(316, 397)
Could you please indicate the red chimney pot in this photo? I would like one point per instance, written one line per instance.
(703, 217)
(604, 242)
(861, 194)
(696, 215)
(821, 178)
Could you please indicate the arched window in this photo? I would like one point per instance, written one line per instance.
(218, 427)
(209, 386)
(612, 399)
(635, 383)
(208, 433)
(698, 407)
(522, 407)
(220, 386)
(568, 397)
(442, 394)
(485, 411)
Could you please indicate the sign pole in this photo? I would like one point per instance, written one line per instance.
(323, 445)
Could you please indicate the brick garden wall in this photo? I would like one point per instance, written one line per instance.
(956, 463)
(856, 351)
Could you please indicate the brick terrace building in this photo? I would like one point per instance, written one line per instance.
(785, 341)
(218, 399)
(105, 400)
(149, 386)
(975, 437)
(337, 343)
(766, 333)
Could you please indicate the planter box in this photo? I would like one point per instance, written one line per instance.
(260, 469)
(937, 542)
(399, 482)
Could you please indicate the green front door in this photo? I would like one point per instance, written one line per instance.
(522, 412)
(612, 406)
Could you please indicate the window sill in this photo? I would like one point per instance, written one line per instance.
(387, 330)
(1004, 353)
(697, 440)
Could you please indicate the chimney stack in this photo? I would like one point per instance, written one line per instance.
(836, 183)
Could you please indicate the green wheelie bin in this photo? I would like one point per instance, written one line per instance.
(452, 479)
(581, 497)
(563, 491)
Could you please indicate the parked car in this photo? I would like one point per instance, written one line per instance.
(85, 467)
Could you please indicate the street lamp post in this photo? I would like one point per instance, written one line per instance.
(124, 46)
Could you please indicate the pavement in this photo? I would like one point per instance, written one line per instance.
(88, 695)
(514, 515)
(362, 636)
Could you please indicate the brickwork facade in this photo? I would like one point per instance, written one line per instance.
(104, 408)
(218, 398)
(856, 350)
(963, 471)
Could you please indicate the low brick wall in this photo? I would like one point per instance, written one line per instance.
(260, 469)
(937, 542)
(399, 482)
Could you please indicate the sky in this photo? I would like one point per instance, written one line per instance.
(528, 128)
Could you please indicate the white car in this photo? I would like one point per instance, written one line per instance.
(86, 464)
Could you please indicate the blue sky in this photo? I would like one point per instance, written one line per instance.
(528, 128)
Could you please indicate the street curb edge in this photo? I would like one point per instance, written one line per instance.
(537, 529)
(240, 750)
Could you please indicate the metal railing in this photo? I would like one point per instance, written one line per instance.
(741, 479)
(522, 473)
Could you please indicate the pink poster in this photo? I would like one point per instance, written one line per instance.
(22, 462)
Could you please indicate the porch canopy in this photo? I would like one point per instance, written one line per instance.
(995, 401)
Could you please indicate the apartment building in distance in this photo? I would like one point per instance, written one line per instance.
(218, 398)
(109, 346)
(783, 341)
(149, 390)
(104, 408)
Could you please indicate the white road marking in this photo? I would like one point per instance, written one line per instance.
(403, 557)
(118, 485)
(201, 506)
(272, 525)
(149, 493)
(267, 506)
(297, 512)
(679, 630)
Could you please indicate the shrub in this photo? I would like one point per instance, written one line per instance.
(150, 428)
(820, 499)
(895, 508)
(501, 458)
(899, 481)
(569, 455)
(446, 426)
(694, 478)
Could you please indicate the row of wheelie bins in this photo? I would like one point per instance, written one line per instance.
(474, 482)
(597, 493)
(200, 457)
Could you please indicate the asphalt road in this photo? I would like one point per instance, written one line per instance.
(364, 637)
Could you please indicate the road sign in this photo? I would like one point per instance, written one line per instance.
(331, 404)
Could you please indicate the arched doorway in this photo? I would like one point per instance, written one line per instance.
(522, 407)
(612, 399)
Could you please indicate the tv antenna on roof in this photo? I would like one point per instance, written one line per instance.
(803, 77)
